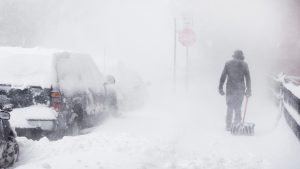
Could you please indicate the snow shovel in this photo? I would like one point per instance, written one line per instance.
(243, 128)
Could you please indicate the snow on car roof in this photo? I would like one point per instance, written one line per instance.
(22, 67)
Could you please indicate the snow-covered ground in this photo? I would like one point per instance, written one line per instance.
(167, 133)
(171, 131)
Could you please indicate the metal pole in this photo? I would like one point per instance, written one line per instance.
(187, 70)
(104, 60)
(175, 47)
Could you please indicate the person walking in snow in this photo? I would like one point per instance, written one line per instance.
(236, 72)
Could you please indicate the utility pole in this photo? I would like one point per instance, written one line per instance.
(175, 50)
(187, 70)
(104, 60)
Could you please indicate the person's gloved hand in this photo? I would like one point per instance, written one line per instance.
(221, 91)
(248, 93)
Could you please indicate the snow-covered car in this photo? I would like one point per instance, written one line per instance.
(54, 93)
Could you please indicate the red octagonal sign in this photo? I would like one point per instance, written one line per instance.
(187, 37)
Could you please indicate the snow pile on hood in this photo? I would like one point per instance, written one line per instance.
(19, 116)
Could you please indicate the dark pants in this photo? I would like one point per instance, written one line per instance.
(234, 104)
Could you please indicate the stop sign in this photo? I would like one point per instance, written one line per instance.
(187, 37)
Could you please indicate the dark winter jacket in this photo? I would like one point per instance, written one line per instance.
(237, 72)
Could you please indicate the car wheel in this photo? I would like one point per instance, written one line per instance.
(77, 118)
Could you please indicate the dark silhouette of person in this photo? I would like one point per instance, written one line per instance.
(236, 72)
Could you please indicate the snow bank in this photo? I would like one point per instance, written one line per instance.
(295, 89)
(120, 150)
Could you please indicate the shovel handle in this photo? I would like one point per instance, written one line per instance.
(245, 110)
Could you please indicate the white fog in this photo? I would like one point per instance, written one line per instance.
(166, 120)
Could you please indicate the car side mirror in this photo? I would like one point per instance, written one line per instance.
(109, 79)
(4, 115)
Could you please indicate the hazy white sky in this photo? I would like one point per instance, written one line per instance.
(140, 33)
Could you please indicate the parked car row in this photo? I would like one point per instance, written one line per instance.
(53, 93)
(49, 93)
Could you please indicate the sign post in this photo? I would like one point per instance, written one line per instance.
(175, 48)
(187, 37)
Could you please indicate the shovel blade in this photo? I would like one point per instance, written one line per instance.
(243, 129)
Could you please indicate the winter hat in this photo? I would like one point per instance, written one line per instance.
(238, 54)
